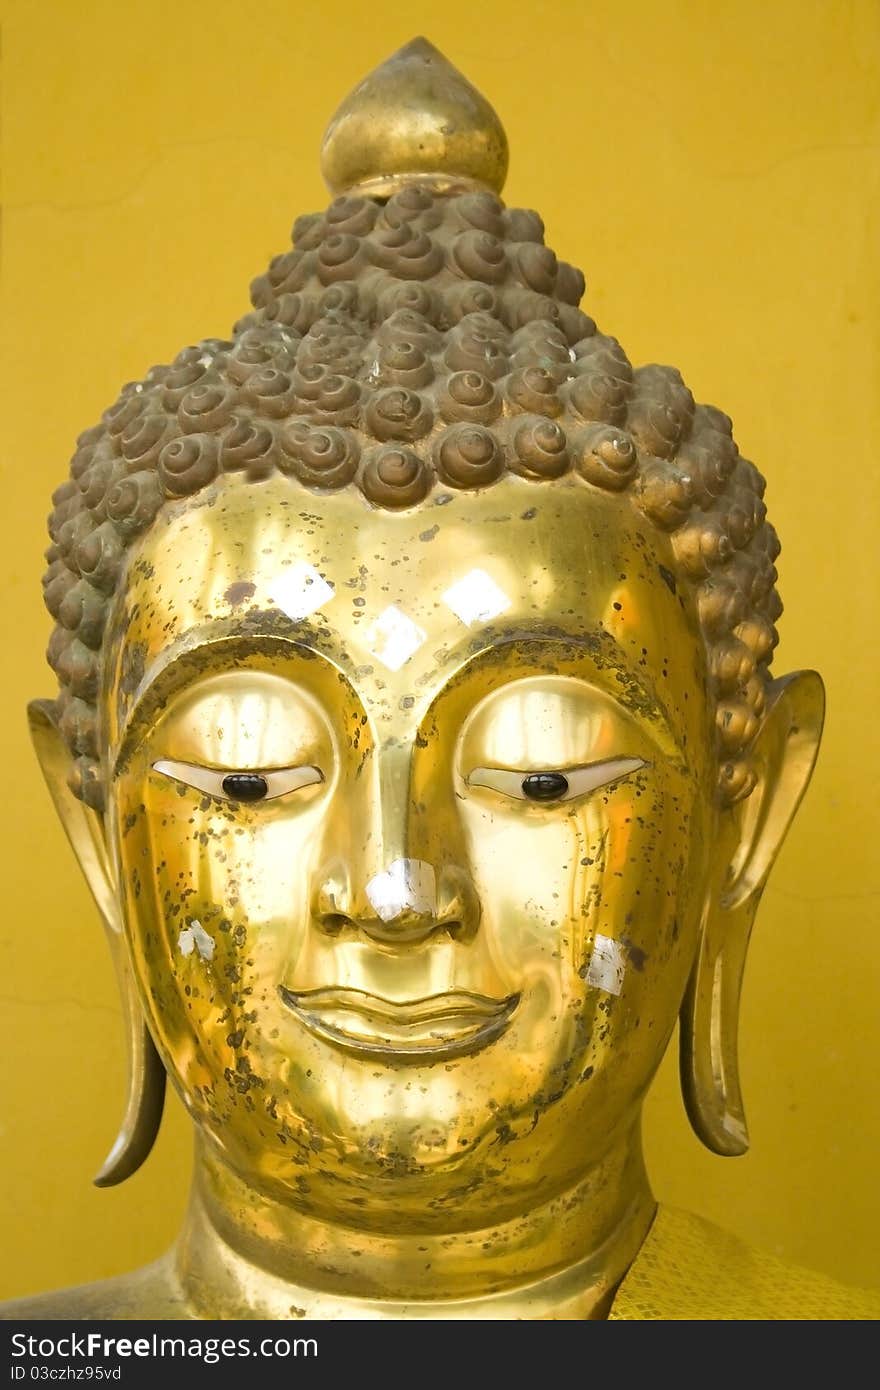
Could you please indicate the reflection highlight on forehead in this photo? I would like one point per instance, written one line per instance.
(476, 598)
(393, 638)
(300, 591)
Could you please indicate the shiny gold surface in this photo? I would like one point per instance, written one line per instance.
(416, 119)
(146, 1075)
(393, 1152)
(504, 899)
(410, 816)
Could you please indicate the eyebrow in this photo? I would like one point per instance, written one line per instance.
(635, 696)
(162, 681)
(625, 686)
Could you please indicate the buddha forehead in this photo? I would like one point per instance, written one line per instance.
(534, 577)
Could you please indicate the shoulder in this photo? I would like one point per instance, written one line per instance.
(690, 1269)
(150, 1292)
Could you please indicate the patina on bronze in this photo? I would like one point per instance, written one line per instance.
(417, 737)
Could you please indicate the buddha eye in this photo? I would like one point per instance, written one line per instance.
(245, 786)
(250, 786)
(547, 787)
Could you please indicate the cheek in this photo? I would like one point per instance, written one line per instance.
(598, 901)
(525, 871)
(216, 905)
(647, 867)
(644, 908)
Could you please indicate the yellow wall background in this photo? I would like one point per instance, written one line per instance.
(714, 168)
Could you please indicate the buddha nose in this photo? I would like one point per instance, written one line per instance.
(392, 874)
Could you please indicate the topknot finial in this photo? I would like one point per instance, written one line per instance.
(414, 119)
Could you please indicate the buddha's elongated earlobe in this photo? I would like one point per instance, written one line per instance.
(85, 831)
(146, 1081)
(750, 835)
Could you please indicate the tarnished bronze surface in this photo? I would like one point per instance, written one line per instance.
(417, 738)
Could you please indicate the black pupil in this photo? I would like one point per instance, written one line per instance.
(544, 786)
(245, 786)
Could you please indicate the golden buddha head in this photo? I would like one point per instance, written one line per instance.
(416, 729)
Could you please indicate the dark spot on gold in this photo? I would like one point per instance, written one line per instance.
(239, 591)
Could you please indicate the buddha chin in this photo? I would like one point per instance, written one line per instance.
(426, 963)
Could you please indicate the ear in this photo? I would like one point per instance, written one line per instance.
(750, 834)
(85, 831)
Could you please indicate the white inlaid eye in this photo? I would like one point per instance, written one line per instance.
(247, 786)
(542, 788)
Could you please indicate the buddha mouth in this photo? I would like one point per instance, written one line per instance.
(431, 1029)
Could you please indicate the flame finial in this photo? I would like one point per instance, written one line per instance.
(414, 119)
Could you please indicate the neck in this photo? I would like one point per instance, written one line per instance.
(242, 1254)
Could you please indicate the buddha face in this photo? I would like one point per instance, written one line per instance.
(411, 814)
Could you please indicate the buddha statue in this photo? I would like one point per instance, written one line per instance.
(417, 736)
